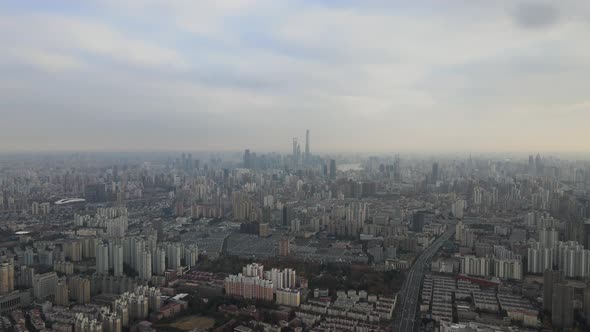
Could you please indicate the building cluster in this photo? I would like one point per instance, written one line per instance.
(280, 286)
(351, 311)
(86, 232)
(443, 298)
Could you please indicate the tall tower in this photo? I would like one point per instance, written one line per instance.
(434, 172)
(332, 168)
(296, 150)
(307, 155)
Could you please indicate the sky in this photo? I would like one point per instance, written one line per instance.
(370, 75)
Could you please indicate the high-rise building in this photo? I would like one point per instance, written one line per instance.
(62, 294)
(29, 257)
(247, 159)
(508, 269)
(46, 257)
(145, 268)
(550, 279)
(6, 277)
(477, 266)
(44, 285)
(35, 208)
(307, 153)
(562, 309)
(587, 305)
(397, 175)
(64, 267)
(79, 289)
(434, 172)
(102, 258)
(296, 150)
(73, 250)
(288, 297)
(191, 255)
(116, 259)
(332, 168)
(173, 255)
(159, 261)
(26, 276)
(418, 221)
(111, 322)
(548, 238)
(284, 247)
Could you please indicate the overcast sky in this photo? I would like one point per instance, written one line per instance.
(232, 74)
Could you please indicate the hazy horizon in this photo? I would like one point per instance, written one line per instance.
(373, 76)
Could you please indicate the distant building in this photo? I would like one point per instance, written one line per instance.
(332, 168)
(435, 173)
(284, 247)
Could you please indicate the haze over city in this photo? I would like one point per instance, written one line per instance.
(377, 76)
(294, 166)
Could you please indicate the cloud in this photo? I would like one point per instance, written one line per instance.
(254, 73)
(83, 38)
(536, 15)
(43, 60)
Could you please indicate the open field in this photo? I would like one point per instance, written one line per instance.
(191, 322)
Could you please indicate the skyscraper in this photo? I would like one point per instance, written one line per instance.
(247, 158)
(296, 151)
(332, 168)
(434, 172)
(307, 155)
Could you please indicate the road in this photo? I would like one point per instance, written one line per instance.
(407, 298)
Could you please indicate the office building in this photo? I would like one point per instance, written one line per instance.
(332, 168)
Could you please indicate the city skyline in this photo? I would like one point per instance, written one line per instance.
(374, 76)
